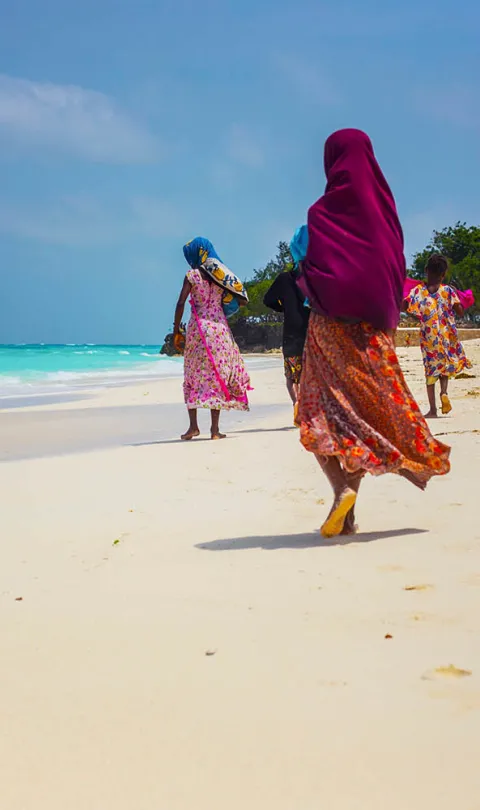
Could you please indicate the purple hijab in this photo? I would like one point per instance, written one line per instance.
(355, 267)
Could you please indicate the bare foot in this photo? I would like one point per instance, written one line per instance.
(342, 505)
(190, 434)
(414, 479)
(430, 415)
(215, 436)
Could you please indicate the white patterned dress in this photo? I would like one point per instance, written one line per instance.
(215, 374)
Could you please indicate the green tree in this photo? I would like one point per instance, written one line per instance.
(282, 261)
(258, 285)
(460, 243)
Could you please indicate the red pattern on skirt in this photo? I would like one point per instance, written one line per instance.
(356, 405)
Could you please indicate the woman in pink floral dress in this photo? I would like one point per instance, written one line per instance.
(215, 376)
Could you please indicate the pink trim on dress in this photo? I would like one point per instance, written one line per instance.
(221, 382)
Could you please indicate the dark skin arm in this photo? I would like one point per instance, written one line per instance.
(458, 310)
(404, 307)
(179, 309)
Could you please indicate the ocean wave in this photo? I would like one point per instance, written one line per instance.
(123, 352)
(100, 377)
(92, 378)
(8, 380)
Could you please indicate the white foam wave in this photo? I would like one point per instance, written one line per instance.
(66, 381)
(166, 368)
(7, 380)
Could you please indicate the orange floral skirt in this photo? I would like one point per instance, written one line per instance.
(356, 405)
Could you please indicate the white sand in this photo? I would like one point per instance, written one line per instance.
(108, 700)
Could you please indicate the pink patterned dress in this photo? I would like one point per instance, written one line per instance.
(215, 374)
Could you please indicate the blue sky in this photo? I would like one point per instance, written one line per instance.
(127, 128)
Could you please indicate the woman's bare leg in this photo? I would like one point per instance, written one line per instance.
(344, 495)
(215, 430)
(295, 393)
(193, 429)
(431, 401)
(354, 480)
(291, 390)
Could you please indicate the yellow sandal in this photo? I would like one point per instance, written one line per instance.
(446, 404)
(336, 519)
(295, 415)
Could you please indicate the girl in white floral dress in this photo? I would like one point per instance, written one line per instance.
(215, 376)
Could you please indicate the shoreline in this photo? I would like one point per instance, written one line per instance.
(78, 388)
(130, 415)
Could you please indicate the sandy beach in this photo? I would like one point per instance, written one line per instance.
(177, 636)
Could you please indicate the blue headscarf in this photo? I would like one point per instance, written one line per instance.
(298, 249)
(299, 244)
(198, 251)
(201, 253)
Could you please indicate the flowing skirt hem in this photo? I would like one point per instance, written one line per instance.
(355, 459)
(356, 405)
(218, 405)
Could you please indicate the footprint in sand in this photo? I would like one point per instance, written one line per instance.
(422, 587)
(449, 671)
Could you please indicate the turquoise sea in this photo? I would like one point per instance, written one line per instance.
(38, 369)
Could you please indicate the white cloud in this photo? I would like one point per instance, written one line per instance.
(243, 148)
(85, 221)
(76, 121)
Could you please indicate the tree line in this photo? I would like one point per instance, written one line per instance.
(460, 243)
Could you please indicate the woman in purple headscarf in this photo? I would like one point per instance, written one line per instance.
(356, 412)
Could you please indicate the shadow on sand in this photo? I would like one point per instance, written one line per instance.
(307, 540)
(232, 434)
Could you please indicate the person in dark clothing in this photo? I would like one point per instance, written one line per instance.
(284, 296)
